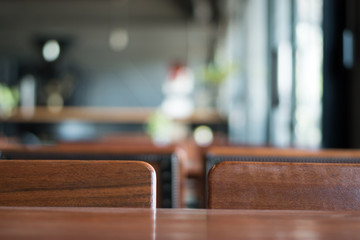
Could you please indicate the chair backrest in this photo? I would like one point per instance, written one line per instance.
(268, 154)
(284, 186)
(77, 183)
(165, 161)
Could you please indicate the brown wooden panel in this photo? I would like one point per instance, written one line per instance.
(218, 154)
(282, 152)
(165, 161)
(293, 186)
(144, 223)
(107, 115)
(77, 183)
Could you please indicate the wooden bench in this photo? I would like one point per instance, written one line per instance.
(77, 183)
(284, 186)
(165, 160)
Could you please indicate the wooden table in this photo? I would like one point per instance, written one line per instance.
(124, 223)
(118, 115)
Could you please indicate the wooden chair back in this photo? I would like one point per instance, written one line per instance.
(165, 161)
(216, 155)
(284, 186)
(77, 183)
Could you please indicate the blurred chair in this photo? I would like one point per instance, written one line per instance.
(268, 154)
(165, 160)
(218, 154)
(77, 183)
(284, 186)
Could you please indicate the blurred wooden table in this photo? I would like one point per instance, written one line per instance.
(124, 223)
(104, 115)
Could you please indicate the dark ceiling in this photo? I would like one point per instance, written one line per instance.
(135, 10)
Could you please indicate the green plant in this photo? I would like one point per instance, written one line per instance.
(159, 127)
(9, 98)
(215, 73)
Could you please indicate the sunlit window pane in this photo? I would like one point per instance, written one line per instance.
(309, 55)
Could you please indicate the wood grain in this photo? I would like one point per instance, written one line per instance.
(165, 161)
(234, 151)
(298, 186)
(77, 183)
(125, 223)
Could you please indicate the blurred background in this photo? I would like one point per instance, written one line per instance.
(260, 72)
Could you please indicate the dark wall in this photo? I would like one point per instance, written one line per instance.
(341, 118)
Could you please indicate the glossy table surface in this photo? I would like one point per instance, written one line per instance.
(125, 223)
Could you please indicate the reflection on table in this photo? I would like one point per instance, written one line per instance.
(127, 223)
